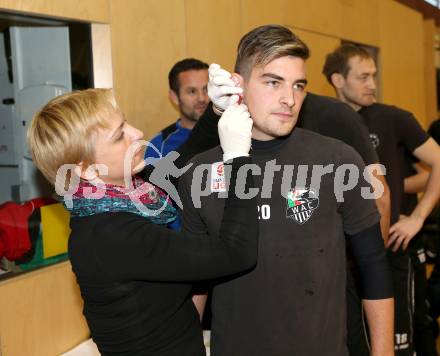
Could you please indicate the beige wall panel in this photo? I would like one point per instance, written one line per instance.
(213, 29)
(260, 12)
(402, 58)
(102, 56)
(359, 21)
(437, 44)
(41, 313)
(148, 37)
(430, 73)
(319, 46)
(317, 15)
(351, 19)
(88, 10)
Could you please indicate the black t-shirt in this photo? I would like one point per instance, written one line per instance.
(393, 131)
(293, 302)
(333, 118)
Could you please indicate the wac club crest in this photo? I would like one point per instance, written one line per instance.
(300, 204)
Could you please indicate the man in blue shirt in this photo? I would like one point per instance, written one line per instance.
(188, 80)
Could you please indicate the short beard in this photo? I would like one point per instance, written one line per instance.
(191, 116)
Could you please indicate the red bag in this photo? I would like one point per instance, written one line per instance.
(14, 234)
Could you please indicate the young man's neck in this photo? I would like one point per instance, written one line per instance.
(187, 123)
(354, 106)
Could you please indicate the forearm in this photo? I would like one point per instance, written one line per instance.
(417, 182)
(429, 155)
(380, 318)
(431, 196)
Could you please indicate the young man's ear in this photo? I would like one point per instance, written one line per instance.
(86, 172)
(238, 79)
(338, 80)
(173, 97)
(239, 82)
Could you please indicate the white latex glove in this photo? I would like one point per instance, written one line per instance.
(235, 130)
(221, 87)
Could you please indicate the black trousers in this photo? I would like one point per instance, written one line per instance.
(403, 283)
(424, 324)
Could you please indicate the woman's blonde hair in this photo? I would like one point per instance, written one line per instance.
(62, 131)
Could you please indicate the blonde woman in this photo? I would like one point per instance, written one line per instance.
(133, 272)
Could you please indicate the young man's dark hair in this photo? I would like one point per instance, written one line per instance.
(266, 43)
(337, 61)
(183, 66)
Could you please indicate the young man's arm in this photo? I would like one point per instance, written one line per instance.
(383, 201)
(417, 182)
(364, 239)
(376, 288)
(380, 315)
(404, 230)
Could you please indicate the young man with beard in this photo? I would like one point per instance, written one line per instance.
(293, 302)
(187, 79)
(394, 132)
